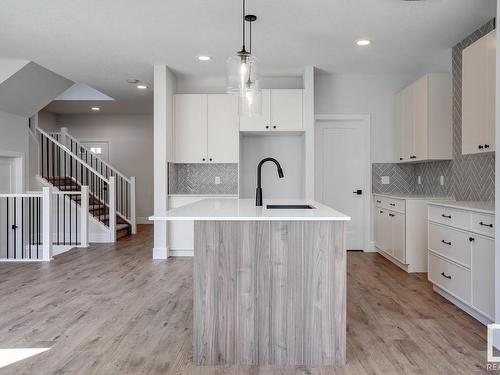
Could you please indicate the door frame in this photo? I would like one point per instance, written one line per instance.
(18, 174)
(367, 170)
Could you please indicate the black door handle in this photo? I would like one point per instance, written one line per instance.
(445, 275)
(14, 226)
(472, 239)
(486, 225)
(445, 242)
(446, 216)
(359, 192)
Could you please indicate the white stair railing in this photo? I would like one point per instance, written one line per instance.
(124, 186)
(66, 171)
(35, 225)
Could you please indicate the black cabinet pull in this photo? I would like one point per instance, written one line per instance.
(471, 239)
(203, 159)
(446, 216)
(210, 159)
(445, 275)
(486, 225)
(392, 204)
(486, 146)
(274, 126)
(267, 126)
(480, 147)
(391, 215)
(445, 242)
(381, 212)
(400, 158)
(379, 201)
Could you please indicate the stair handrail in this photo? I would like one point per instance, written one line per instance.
(73, 155)
(115, 171)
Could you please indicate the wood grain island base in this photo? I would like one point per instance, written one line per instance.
(269, 293)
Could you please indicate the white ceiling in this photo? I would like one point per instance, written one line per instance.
(102, 43)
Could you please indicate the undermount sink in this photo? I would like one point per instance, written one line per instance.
(290, 207)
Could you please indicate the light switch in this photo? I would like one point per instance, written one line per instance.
(386, 180)
(441, 180)
(217, 180)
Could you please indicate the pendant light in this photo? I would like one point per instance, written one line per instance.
(242, 73)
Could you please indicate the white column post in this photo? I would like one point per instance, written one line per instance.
(47, 224)
(84, 217)
(112, 208)
(133, 217)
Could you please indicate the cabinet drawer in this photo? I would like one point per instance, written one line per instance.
(484, 224)
(450, 277)
(379, 202)
(394, 204)
(450, 243)
(449, 216)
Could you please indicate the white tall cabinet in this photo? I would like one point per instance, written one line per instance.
(423, 119)
(478, 95)
(282, 110)
(206, 128)
(462, 255)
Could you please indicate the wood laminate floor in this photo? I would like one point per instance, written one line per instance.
(111, 309)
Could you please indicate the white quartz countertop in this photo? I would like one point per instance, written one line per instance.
(487, 207)
(245, 210)
(414, 197)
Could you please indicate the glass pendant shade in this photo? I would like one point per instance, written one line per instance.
(250, 102)
(241, 73)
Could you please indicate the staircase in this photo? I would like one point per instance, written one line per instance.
(68, 165)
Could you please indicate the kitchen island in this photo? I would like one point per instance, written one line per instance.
(269, 284)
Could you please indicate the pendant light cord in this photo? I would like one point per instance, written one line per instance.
(244, 13)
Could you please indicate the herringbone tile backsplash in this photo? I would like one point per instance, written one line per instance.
(467, 177)
(200, 178)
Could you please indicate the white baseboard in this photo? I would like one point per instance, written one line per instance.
(99, 238)
(143, 220)
(370, 248)
(462, 306)
(160, 252)
(181, 252)
(59, 249)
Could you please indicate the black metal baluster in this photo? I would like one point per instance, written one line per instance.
(47, 162)
(38, 227)
(14, 227)
(30, 218)
(8, 231)
(43, 156)
(76, 219)
(22, 223)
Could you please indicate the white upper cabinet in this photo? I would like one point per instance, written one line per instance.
(423, 120)
(223, 135)
(478, 95)
(206, 128)
(190, 128)
(262, 122)
(282, 110)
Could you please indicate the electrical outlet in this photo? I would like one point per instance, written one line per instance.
(386, 180)
(419, 178)
(441, 180)
(217, 180)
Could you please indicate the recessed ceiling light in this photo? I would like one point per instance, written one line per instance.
(95, 109)
(363, 42)
(142, 87)
(204, 58)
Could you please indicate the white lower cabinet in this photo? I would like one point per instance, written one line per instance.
(400, 231)
(462, 257)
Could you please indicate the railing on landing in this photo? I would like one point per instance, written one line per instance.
(34, 226)
(124, 186)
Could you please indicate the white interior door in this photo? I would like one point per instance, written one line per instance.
(343, 169)
(98, 148)
(6, 175)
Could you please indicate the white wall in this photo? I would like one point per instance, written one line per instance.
(288, 150)
(130, 140)
(14, 139)
(165, 86)
(497, 193)
(363, 94)
(47, 121)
